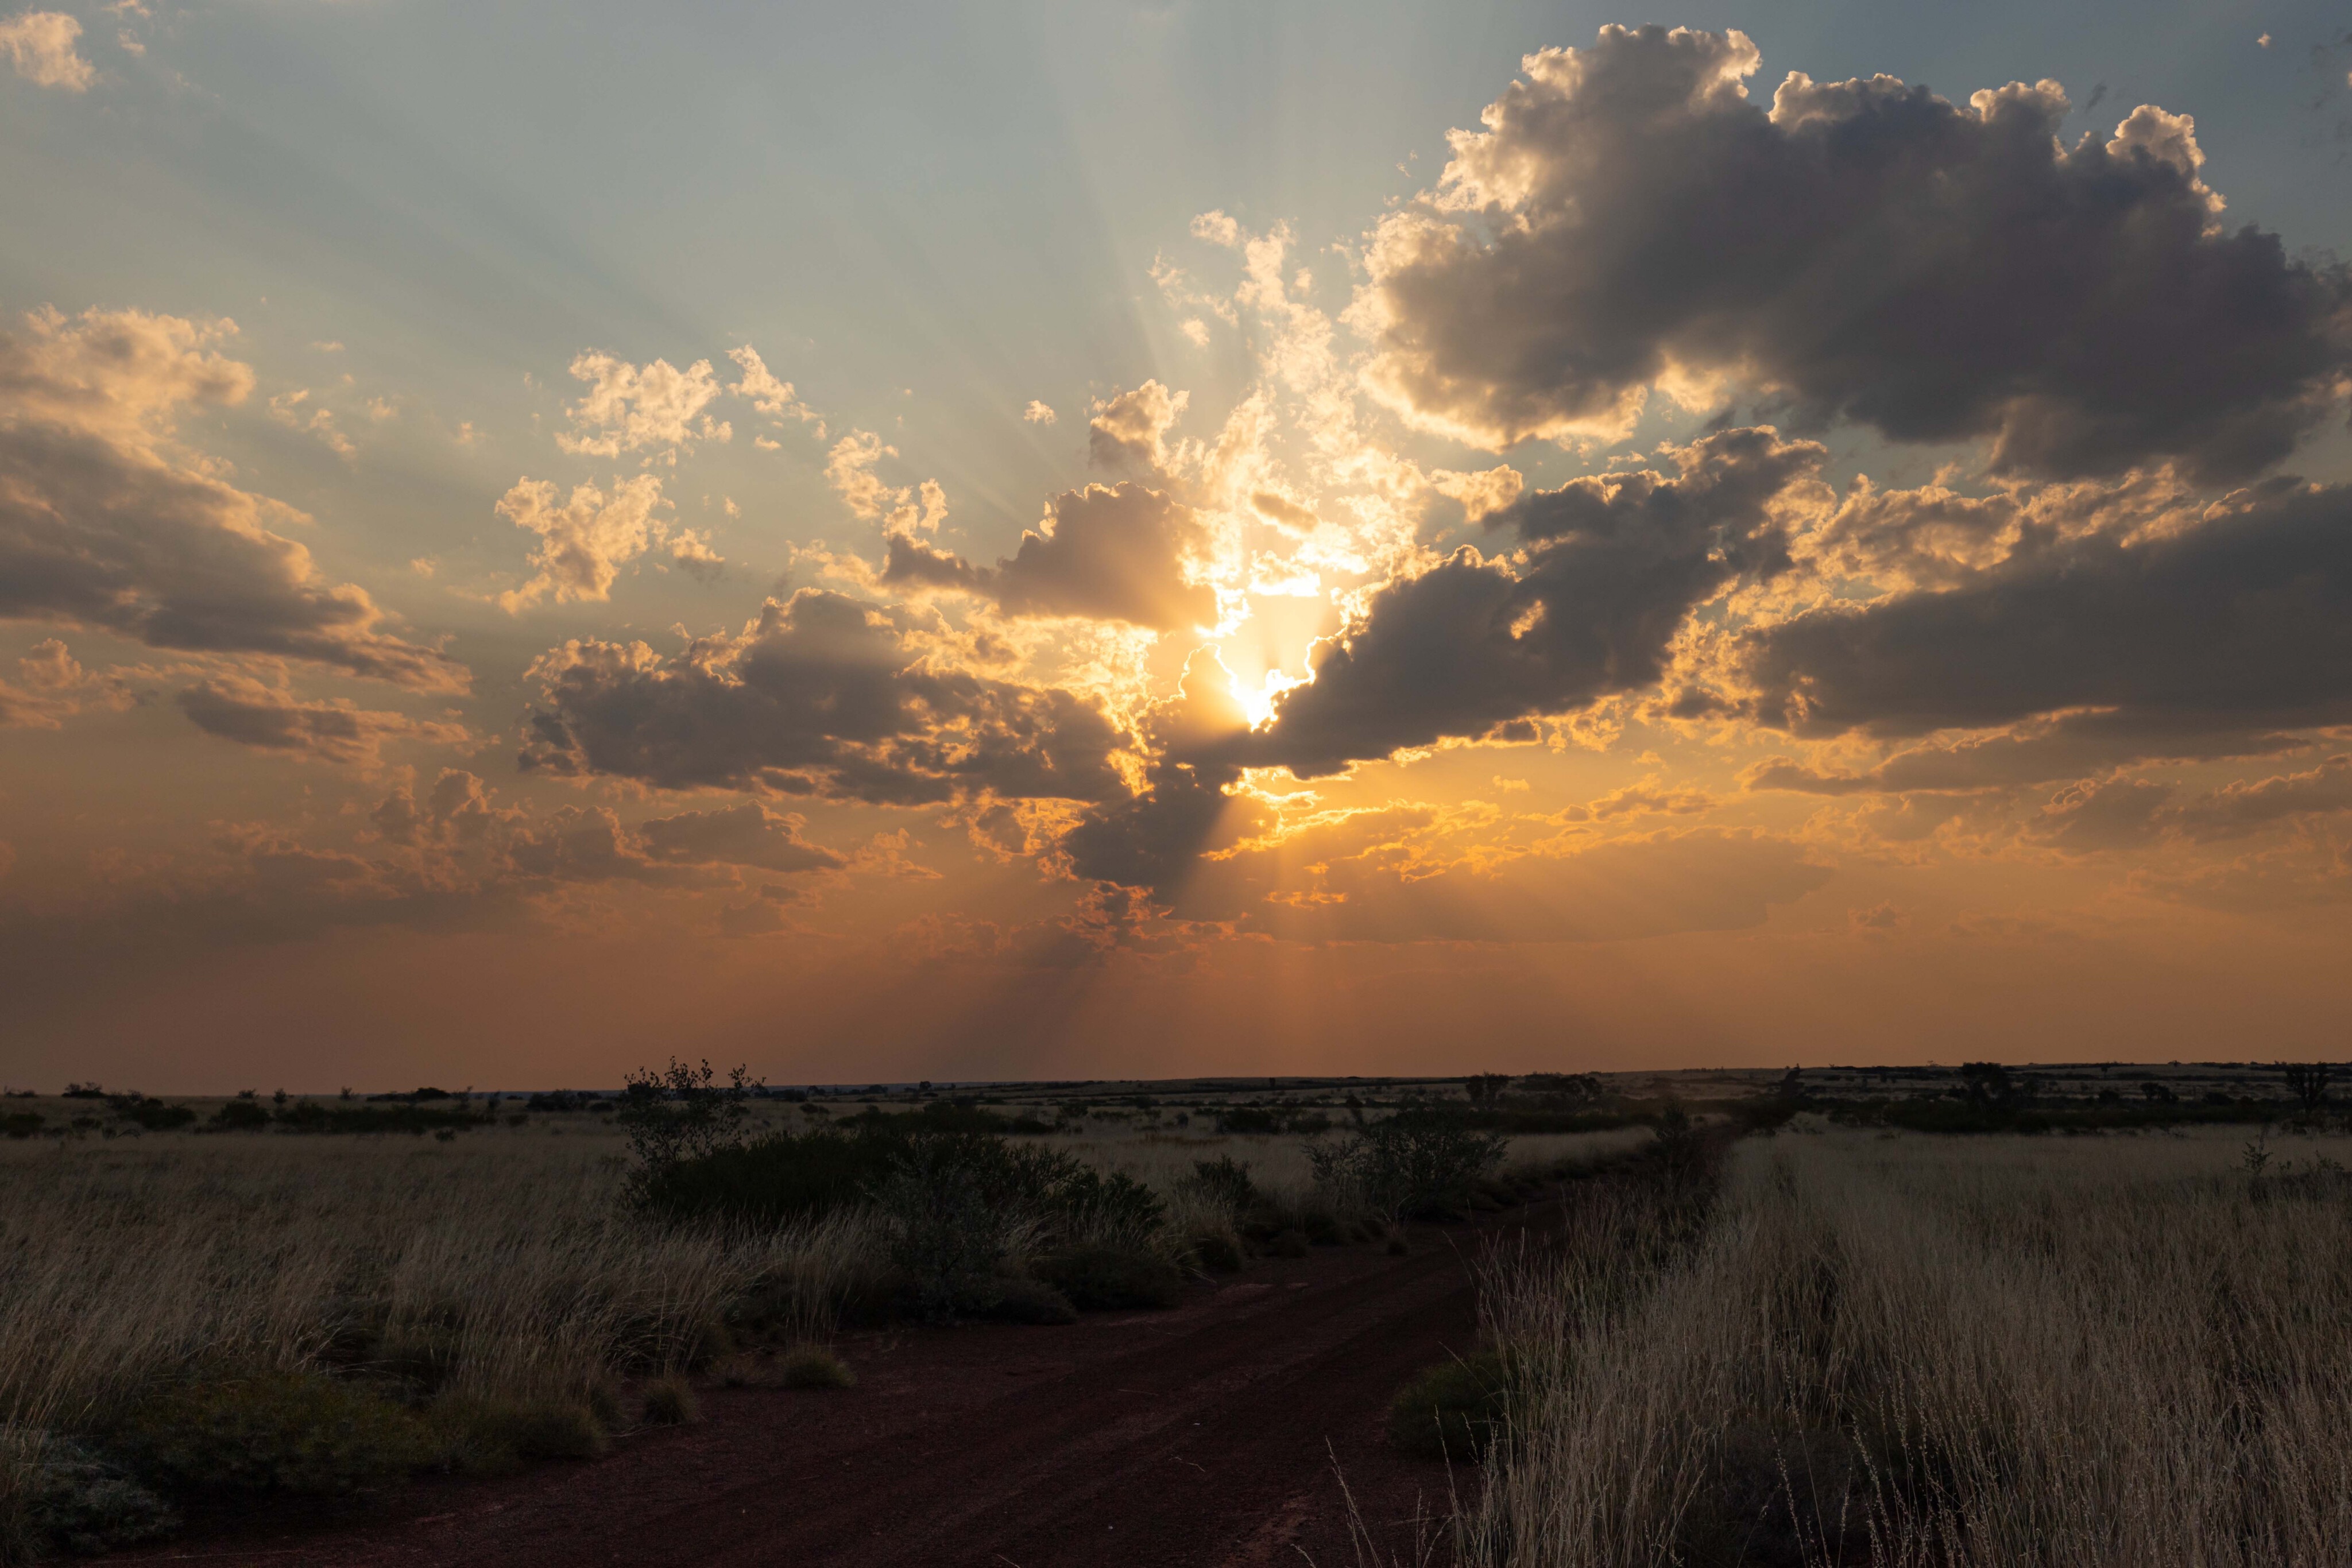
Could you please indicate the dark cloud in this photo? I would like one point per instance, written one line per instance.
(254, 715)
(2068, 747)
(2239, 625)
(1613, 566)
(1861, 250)
(1103, 553)
(819, 696)
(746, 833)
(102, 524)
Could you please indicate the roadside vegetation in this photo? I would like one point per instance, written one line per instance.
(203, 1304)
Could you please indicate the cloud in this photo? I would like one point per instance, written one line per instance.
(40, 44)
(690, 552)
(1482, 495)
(1105, 553)
(1611, 566)
(236, 708)
(769, 396)
(287, 409)
(820, 695)
(628, 408)
(1038, 412)
(52, 687)
(1862, 250)
(2248, 807)
(2240, 624)
(584, 542)
(849, 469)
(1129, 430)
(746, 833)
(1217, 229)
(1398, 874)
(105, 523)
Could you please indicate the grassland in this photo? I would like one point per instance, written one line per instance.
(2030, 1353)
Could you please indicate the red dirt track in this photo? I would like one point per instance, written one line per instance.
(1205, 1436)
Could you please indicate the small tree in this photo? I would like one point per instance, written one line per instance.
(2307, 1082)
(681, 1114)
(1413, 1162)
(1989, 1085)
(1486, 1086)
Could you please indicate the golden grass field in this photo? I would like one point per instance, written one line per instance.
(1998, 1351)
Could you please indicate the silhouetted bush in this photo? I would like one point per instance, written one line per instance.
(22, 1123)
(240, 1116)
(814, 1367)
(1017, 1301)
(1104, 1278)
(669, 1402)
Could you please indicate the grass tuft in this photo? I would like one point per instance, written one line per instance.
(670, 1402)
(1451, 1410)
(814, 1367)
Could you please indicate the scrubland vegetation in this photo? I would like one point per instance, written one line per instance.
(1906, 1350)
(209, 1310)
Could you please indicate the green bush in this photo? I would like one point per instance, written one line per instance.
(1450, 1411)
(1416, 1163)
(1104, 1278)
(1225, 1182)
(273, 1431)
(56, 1495)
(485, 1436)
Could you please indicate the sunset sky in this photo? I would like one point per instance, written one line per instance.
(911, 540)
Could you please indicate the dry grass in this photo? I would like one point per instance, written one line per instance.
(2070, 1352)
(498, 1266)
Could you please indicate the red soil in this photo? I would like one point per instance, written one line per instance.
(1214, 1435)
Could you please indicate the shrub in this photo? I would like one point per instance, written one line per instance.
(814, 1367)
(240, 1116)
(1029, 1302)
(1287, 1244)
(1416, 1162)
(680, 1114)
(274, 1431)
(670, 1402)
(1216, 1252)
(21, 1124)
(56, 1495)
(1104, 1278)
(1450, 1411)
(1225, 1182)
(947, 1229)
(486, 1435)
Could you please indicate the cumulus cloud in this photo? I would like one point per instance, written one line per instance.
(820, 695)
(1860, 250)
(1610, 568)
(1129, 430)
(849, 469)
(1037, 413)
(1105, 553)
(771, 397)
(105, 523)
(295, 411)
(41, 44)
(630, 408)
(51, 686)
(236, 708)
(583, 541)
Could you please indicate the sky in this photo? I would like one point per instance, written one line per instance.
(1099, 540)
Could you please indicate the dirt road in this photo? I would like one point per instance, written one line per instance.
(1211, 1436)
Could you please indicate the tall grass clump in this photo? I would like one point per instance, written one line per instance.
(2011, 1352)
